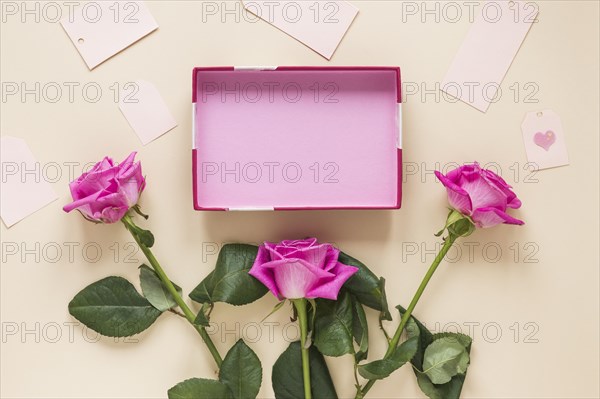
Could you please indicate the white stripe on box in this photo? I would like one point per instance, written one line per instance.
(193, 126)
(254, 68)
(252, 208)
(399, 126)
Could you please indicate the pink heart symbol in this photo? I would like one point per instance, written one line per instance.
(544, 140)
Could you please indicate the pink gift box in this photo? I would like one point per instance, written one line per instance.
(290, 138)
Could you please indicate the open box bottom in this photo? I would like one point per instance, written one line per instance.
(296, 139)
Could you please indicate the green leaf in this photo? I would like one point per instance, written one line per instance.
(385, 313)
(462, 228)
(287, 377)
(379, 369)
(113, 307)
(203, 291)
(278, 306)
(155, 291)
(145, 236)
(199, 388)
(360, 330)
(457, 224)
(444, 359)
(333, 326)
(449, 390)
(201, 319)
(462, 339)
(138, 210)
(230, 281)
(415, 328)
(453, 216)
(366, 287)
(241, 371)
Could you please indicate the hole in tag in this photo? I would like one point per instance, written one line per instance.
(540, 114)
(80, 40)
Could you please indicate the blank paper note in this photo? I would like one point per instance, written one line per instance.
(23, 189)
(488, 50)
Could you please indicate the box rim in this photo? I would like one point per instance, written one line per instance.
(195, 71)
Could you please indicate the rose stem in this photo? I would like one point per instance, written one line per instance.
(300, 305)
(406, 316)
(189, 315)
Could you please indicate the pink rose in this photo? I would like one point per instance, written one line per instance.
(301, 269)
(481, 195)
(106, 192)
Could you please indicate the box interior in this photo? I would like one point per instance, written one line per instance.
(296, 139)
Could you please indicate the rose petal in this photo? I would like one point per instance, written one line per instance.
(81, 202)
(295, 277)
(455, 174)
(482, 193)
(315, 255)
(490, 216)
(300, 269)
(93, 206)
(320, 273)
(113, 214)
(132, 187)
(332, 258)
(288, 246)
(514, 203)
(263, 274)
(511, 198)
(284, 250)
(330, 288)
(268, 244)
(106, 163)
(307, 242)
(128, 162)
(92, 182)
(271, 248)
(130, 178)
(457, 197)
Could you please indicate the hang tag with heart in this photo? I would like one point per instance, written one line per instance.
(544, 139)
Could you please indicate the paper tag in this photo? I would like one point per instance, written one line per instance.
(145, 110)
(319, 24)
(488, 50)
(101, 29)
(23, 189)
(544, 140)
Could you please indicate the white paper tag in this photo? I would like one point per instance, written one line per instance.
(23, 189)
(145, 110)
(101, 29)
(488, 50)
(544, 139)
(319, 24)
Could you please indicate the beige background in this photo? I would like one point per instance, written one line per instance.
(540, 292)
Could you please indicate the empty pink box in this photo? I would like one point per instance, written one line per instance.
(289, 138)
